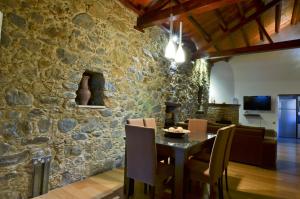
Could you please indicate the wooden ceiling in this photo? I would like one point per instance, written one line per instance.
(221, 28)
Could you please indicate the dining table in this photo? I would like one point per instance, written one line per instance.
(179, 149)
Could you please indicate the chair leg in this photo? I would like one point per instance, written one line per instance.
(130, 185)
(189, 183)
(226, 179)
(145, 188)
(152, 192)
(212, 192)
(220, 187)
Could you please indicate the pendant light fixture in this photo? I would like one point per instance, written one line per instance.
(180, 55)
(170, 51)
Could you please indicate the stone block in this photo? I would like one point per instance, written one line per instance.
(65, 56)
(15, 97)
(44, 125)
(84, 20)
(14, 159)
(4, 148)
(67, 124)
(17, 20)
(106, 112)
(80, 136)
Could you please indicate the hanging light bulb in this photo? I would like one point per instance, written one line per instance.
(180, 55)
(170, 50)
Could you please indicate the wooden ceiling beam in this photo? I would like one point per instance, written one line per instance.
(222, 23)
(258, 5)
(201, 30)
(278, 9)
(253, 49)
(296, 11)
(156, 5)
(129, 5)
(157, 17)
(242, 15)
(262, 28)
(252, 17)
(244, 34)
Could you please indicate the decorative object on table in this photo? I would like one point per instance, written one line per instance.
(175, 132)
(84, 92)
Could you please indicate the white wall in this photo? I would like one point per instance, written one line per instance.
(271, 73)
(221, 83)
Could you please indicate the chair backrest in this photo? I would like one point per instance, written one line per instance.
(141, 153)
(228, 146)
(216, 164)
(197, 126)
(136, 122)
(150, 123)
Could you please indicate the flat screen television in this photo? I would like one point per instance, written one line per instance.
(262, 103)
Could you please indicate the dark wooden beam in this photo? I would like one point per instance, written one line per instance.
(278, 9)
(157, 17)
(222, 22)
(296, 11)
(241, 10)
(242, 15)
(262, 28)
(129, 5)
(244, 34)
(156, 5)
(198, 26)
(252, 17)
(201, 30)
(253, 49)
(258, 5)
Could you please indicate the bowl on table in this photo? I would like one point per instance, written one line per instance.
(175, 132)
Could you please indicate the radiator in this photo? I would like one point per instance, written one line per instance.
(41, 170)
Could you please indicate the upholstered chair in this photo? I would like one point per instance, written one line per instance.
(205, 154)
(136, 122)
(197, 126)
(227, 154)
(150, 123)
(141, 159)
(211, 172)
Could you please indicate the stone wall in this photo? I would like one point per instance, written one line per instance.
(184, 89)
(46, 46)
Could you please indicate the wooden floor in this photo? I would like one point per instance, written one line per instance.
(245, 181)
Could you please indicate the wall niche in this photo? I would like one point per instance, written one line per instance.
(91, 89)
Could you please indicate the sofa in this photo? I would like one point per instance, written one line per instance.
(250, 145)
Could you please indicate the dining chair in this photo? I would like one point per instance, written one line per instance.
(150, 123)
(197, 126)
(211, 172)
(204, 155)
(227, 153)
(141, 159)
(136, 122)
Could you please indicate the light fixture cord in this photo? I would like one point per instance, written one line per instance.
(171, 25)
(180, 33)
